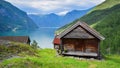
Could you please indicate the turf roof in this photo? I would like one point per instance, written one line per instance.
(63, 28)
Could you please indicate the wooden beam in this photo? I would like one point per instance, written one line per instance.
(99, 55)
(61, 46)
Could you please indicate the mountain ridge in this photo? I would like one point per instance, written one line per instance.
(12, 18)
(57, 20)
(105, 18)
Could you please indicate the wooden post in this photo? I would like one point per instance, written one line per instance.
(99, 55)
(61, 46)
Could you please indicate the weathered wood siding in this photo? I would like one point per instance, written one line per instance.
(68, 44)
(91, 45)
(83, 45)
(79, 32)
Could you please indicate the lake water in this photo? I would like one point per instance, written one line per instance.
(43, 36)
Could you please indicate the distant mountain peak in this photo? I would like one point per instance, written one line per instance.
(52, 14)
(11, 17)
(54, 20)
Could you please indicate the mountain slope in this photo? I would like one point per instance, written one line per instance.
(49, 20)
(73, 15)
(12, 18)
(53, 20)
(100, 11)
(105, 18)
(109, 27)
(106, 4)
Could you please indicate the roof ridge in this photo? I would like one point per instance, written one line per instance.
(85, 26)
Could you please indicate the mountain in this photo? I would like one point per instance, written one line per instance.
(101, 11)
(105, 18)
(12, 18)
(73, 15)
(53, 20)
(49, 20)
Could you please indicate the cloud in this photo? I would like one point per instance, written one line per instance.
(53, 6)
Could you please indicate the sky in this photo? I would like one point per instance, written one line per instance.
(59, 7)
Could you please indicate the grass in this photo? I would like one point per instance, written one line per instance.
(15, 49)
(63, 28)
(47, 59)
(106, 4)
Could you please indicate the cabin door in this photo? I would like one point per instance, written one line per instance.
(79, 45)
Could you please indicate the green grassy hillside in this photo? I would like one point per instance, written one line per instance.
(46, 58)
(106, 4)
(105, 18)
(14, 49)
(110, 28)
(98, 14)
(18, 55)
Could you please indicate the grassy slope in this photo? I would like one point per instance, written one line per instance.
(48, 59)
(58, 31)
(15, 49)
(109, 27)
(106, 4)
(105, 18)
(101, 11)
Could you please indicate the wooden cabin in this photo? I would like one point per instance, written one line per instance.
(21, 39)
(78, 40)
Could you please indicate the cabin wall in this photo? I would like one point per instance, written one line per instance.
(68, 44)
(91, 45)
(83, 45)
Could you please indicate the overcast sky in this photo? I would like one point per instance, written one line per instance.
(53, 6)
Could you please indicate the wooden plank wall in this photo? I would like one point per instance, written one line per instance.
(84, 45)
(79, 32)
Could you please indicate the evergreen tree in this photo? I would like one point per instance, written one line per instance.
(34, 44)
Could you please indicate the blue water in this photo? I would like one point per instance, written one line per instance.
(43, 36)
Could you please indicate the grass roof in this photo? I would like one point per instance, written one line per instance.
(62, 29)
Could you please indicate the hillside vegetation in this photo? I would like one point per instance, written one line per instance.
(18, 55)
(106, 4)
(105, 18)
(46, 58)
(13, 49)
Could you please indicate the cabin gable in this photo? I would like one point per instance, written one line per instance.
(79, 32)
(84, 26)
